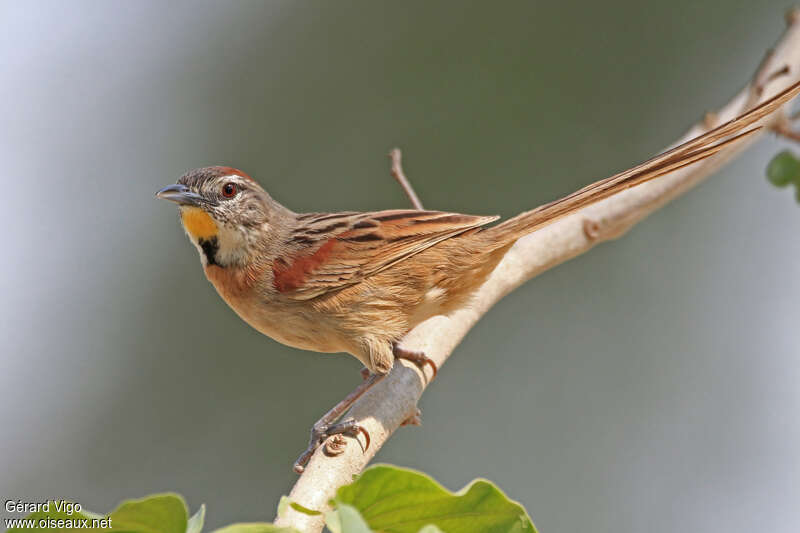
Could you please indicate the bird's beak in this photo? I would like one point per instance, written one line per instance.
(180, 194)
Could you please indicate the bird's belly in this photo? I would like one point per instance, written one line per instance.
(298, 331)
(291, 326)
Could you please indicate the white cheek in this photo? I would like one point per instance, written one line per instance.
(232, 245)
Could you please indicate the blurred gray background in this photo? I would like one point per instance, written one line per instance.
(649, 385)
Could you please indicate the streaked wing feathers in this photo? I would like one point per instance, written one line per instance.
(342, 249)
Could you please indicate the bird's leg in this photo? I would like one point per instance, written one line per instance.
(327, 426)
(397, 172)
(418, 358)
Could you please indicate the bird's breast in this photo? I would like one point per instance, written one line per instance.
(235, 285)
(289, 323)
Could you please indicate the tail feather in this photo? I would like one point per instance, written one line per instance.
(685, 154)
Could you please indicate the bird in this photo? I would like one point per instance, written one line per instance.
(357, 282)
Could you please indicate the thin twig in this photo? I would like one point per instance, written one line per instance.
(396, 157)
(384, 407)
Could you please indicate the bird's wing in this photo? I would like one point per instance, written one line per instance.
(336, 250)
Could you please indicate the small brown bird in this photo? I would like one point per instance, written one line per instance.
(358, 282)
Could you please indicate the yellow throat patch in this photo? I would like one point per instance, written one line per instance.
(198, 223)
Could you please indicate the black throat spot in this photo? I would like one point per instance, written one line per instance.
(210, 248)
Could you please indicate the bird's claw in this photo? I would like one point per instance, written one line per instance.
(416, 357)
(331, 436)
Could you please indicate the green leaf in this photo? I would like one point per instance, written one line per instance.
(346, 519)
(305, 510)
(397, 500)
(283, 506)
(784, 169)
(160, 513)
(260, 527)
(195, 524)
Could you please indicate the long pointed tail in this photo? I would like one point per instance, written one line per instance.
(685, 154)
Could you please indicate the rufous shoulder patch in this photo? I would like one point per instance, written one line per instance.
(290, 275)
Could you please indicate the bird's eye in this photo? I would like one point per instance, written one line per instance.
(229, 190)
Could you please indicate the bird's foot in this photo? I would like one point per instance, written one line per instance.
(416, 357)
(332, 437)
(327, 430)
(336, 443)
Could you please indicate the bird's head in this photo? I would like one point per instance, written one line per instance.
(225, 213)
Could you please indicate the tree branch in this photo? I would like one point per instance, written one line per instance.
(396, 156)
(394, 399)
